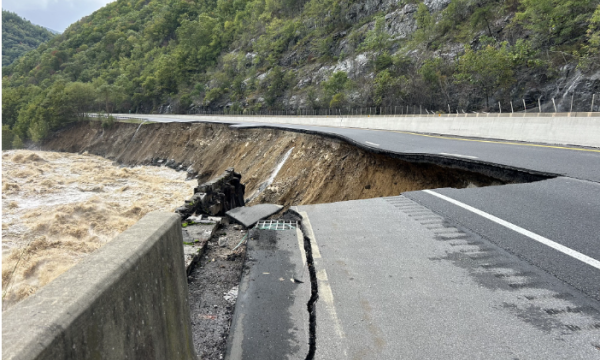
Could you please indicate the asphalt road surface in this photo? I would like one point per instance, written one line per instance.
(504, 272)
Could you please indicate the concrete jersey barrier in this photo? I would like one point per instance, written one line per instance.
(581, 129)
(128, 300)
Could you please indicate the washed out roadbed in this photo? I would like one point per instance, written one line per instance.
(213, 290)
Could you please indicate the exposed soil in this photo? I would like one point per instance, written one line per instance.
(318, 170)
(218, 272)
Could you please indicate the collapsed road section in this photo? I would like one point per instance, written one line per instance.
(281, 167)
(286, 168)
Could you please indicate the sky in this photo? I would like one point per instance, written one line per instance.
(54, 14)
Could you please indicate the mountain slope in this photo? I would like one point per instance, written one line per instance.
(309, 55)
(20, 36)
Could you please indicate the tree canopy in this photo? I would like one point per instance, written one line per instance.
(20, 36)
(251, 55)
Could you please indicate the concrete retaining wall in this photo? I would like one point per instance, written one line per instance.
(581, 129)
(128, 300)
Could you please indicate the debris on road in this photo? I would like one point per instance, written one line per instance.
(231, 295)
(216, 196)
(250, 215)
(213, 291)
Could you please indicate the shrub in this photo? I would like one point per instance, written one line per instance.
(108, 122)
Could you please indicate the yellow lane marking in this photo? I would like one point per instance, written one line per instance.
(500, 142)
(325, 292)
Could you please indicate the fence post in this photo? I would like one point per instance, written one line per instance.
(572, 96)
(593, 98)
(539, 105)
(525, 105)
(554, 103)
(512, 110)
(500, 107)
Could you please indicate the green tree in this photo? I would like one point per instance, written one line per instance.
(20, 36)
(337, 101)
(110, 96)
(482, 16)
(425, 24)
(592, 59)
(276, 83)
(556, 21)
(437, 76)
(377, 38)
(80, 96)
(385, 85)
(486, 71)
(336, 83)
(17, 143)
(7, 137)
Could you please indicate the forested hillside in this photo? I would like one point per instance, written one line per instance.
(190, 56)
(20, 36)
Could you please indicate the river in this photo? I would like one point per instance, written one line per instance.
(58, 208)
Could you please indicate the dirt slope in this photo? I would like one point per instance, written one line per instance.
(318, 170)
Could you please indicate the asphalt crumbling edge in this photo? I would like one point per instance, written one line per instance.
(314, 287)
(501, 172)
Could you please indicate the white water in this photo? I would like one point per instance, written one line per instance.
(59, 207)
(136, 131)
(271, 178)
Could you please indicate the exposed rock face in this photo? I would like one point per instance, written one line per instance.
(216, 196)
(436, 5)
(569, 86)
(401, 23)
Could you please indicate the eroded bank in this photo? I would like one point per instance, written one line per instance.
(317, 169)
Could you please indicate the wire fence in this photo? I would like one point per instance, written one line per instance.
(522, 108)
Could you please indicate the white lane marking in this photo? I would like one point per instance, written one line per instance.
(372, 144)
(326, 294)
(462, 156)
(556, 246)
(313, 243)
(301, 245)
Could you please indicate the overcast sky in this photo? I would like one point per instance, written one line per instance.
(54, 14)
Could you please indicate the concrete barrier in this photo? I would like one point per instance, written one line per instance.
(128, 300)
(582, 129)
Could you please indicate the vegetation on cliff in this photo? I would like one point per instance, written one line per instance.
(251, 55)
(20, 36)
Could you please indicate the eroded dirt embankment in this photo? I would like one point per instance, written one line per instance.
(318, 169)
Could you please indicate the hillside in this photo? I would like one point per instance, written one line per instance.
(20, 36)
(255, 55)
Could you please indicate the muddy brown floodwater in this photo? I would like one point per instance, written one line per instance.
(59, 207)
